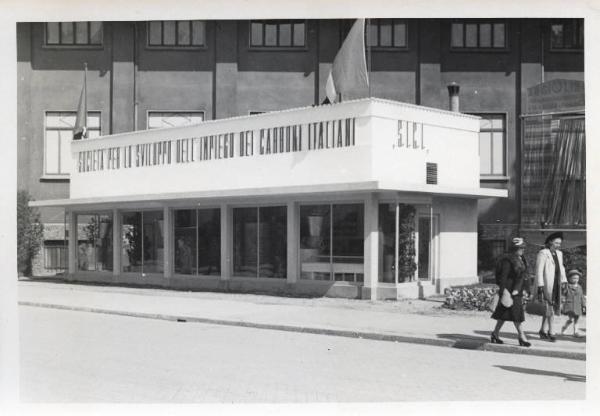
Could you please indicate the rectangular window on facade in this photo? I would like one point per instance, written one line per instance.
(142, 239)
(492, 136)
(186, 234)
(162, 119)
(397, 227)
(95, 242)
(387, 243)
(131, 246)
(260, 242)
(348, 242)
(477, 35)
(278, 33)
(387, 33)
(424, 260)
(566, 34)
(55, 255)
(198, 241)
(272, 242)
(177, 33)
(332, 242)
(73, 34)
(58, 136)
(497, 247)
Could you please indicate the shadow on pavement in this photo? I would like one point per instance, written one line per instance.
(463, 341)
(567, 377)
(533, 335)
(571, 338)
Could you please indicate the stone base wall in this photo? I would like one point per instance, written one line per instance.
(302, 288)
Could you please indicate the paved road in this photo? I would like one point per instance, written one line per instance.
(69, 356)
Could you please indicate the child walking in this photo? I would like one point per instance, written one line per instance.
(574, 302)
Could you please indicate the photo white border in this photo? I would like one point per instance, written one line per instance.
(12, 11)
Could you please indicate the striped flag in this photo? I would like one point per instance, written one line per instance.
(348, 77)
(80, 129)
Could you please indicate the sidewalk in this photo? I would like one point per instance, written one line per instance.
(415, 321)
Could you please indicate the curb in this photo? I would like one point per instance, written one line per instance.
(464, 343)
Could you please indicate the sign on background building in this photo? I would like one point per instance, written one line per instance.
(553, 160)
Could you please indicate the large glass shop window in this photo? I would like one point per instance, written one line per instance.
(397, 226)
(185, 241)
(260, 242)
(198, 241)
(315, 242)
(424, 247)
(332, 242)
(95, 242)
(142, 242)
(387, 243)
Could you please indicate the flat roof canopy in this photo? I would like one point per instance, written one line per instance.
(288, 191)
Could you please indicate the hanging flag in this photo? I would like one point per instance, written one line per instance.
(348, 76)
(80, 129)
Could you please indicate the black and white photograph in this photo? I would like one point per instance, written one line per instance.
(298, 207)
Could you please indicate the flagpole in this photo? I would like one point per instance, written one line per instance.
(85, 99)
(367, 27)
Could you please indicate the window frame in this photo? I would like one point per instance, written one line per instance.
(196, 209)
(149, 112)
(578, 27)
(231, 251)
(97, 214)
(391, 47)
(479, 22)
(330, 203)
(489, 115)
(176, 45)
(59, 175)
(291, 47)
(73, 45)
(56, 245)
(122, 213)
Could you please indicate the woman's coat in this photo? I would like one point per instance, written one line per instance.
(544, 271)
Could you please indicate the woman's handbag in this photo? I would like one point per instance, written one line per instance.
(506, 300)
(535, 307)
(494, 302)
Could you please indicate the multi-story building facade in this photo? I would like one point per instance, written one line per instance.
(143, 75)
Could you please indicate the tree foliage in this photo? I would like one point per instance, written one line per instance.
(30, 233)
(406, 243)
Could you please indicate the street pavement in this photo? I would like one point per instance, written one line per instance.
(74, 356)
(423, 322)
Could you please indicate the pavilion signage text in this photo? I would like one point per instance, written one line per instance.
(268, 141)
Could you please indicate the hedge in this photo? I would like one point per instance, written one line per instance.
(470, 297)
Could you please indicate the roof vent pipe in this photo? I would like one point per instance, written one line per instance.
(453, 97)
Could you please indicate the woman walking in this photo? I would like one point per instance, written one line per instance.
(513, 278)
(550, 276)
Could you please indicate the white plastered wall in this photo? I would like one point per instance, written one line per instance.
(458, 241)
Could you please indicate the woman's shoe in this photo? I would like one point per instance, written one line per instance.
(551, 337)
(495, 339)
(523, 343)
(543, 335)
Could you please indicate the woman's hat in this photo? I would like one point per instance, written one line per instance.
(517, 243)
(574, 271)
(554, 236)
